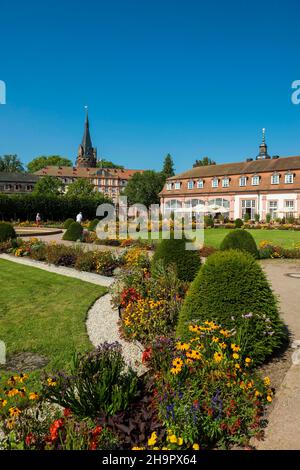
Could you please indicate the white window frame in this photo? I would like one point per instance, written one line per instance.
(215, 183)
(169, 186)
(200, 184)
(275, 179)
(273, 208)
(225, 182)
(243, 179)
(177, 185)
(289, 178)
(289, 204)
(255, 180)
(190, 184)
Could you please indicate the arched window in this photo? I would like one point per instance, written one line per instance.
(172, 204)
(220, 201)
(194, 202)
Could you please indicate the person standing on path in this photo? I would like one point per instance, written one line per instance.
(79, 218)
(38, 219)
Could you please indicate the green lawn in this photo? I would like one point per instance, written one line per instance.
(44, 313)
(284, 238)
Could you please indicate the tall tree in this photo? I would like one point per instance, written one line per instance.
(108, 164)
(205, 161)
(53, 160)
(49, 186)
(11, 164)
(143, 188)
(168, 168)
(80, 188)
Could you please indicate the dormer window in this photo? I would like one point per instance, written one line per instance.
(200, 184)
(169, 186)
(243, 180)
(190, 184)
(275, 178)
(255, 180)
(214, 182)
(289, 178)
(225, 182)
(177, 185)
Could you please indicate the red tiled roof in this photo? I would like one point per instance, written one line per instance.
(69, 172)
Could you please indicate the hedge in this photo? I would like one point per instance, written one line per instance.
(74, 232)
(7, 232)
(239, 239)
(68, 222)
(59, 208)
(232, 289)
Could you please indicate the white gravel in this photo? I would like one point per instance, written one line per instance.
(102, 325)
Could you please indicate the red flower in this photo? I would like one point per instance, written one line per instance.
(54, 427)
(196, 403)
(96, 431)
(29, 439)
(67, 412)
(93, 445)
(146, 355)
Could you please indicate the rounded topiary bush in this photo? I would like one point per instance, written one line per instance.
(93, 224)
(174, 252)
(68, 222)
(73, 233)
(232, 290)
(7, 232)
(238, 223)
(240, 240)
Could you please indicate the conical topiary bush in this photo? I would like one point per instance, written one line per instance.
(74, 232)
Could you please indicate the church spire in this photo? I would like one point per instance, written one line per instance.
(263, 148)
(86, 153)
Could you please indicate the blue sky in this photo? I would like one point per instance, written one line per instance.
(192, 78)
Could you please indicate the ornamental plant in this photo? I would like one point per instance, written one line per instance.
(173, 252)
(7, 232)
(238, 223)
(207, 390)
(68, 222)
(230, 286)
(99, 384)
(73, 233)
(240, 240)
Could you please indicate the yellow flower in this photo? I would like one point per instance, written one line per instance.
(177, 362)
(3, 402)
(215, 339)
(267, 381)
(257, 393)
(173, 439)
(10, 423)
(195, 354)
(180, 441)
(223, 345)
(196, 446)
(269, 399)
(175, 370)
(152, 439)
(188, 361)
(51, 382)
(33, 396)
(237, 366)
(235, 356)
(182, 346)
(235, 348)
(12, 392)
(225, 333)
(14, 412)
(137, 448)
(218, 357)
(194, 328)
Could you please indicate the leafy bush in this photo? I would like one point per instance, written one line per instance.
(268, 218)
(207, 391)
(7, 232)
(85, 261)
(239, 239)
(99, 383)
(74, 232)
(173, 251)
(238, 223)
(93, 224)
(62, 255)
(105, 262)
(230, 286)
(246, 217)
(256, 217)
(68, 222)
(208, 221)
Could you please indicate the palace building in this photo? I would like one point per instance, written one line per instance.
(110, 181)
(262, 185)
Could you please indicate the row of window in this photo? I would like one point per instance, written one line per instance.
(255, 180)
(18, 187)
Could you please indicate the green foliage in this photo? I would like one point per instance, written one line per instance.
(268, 218)
(240, 239)
(209, 221)
(41, 162)
(11, 164)
(48, 186)
(173, 252)
(74, 232)
(230, 286)
(168, 168)
(246, 217)
(81, 187)
(108, 164)
(59, 208)
(256, 217)
(7, 232)
(93, 225)
(68, 222)
(205, 161)
(99, 383)
(144, 188)
(238, 223)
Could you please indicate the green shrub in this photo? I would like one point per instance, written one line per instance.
(256, 217)
(246, 217)
(62, 255)
(240, 239)
(238, 223)
(230, 287)
(85, 261)
(173, 251)
(7, 232)
(74, 232)
(68, 222)
(99, 383)
(93, 224)
(208, 221)
(268, 218)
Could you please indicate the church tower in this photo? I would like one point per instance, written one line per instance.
(87, 154)
(263, 148)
